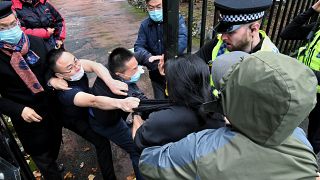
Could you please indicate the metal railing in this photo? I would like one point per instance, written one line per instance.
(280, 15)
(10, 151)
(276, 19)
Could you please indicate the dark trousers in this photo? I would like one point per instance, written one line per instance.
(47, 165)
(120, 134)
(314, 126)
(102, 145)
(42, 142)
(158, 90)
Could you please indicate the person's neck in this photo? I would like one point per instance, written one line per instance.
(255, 41)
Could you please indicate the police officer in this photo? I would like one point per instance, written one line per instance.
(238, 29)
(309, 54)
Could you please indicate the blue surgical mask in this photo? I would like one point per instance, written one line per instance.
(12, 35)
(156, 15)
(135, 78)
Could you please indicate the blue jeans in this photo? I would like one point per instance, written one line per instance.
(120, 134)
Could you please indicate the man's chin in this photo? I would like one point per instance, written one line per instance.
(230, 48)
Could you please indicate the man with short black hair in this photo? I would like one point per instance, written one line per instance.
(76, 100)
(111, 124)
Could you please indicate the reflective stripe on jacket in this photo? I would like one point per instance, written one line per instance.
(310, 54)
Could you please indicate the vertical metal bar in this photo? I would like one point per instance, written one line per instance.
(170, 28)
(203, 22)
(276, 23)
(215, 21)
(286, 5)
(190, 24)
(288, 48)
(14, 151)
(296, 43)
(262, 22)
(284, 43)
(270, 17)
(303, 7)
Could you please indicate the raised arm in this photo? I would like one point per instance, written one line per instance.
(117, 87)
(83, 99)
(298, 29)
(141, 52)
(171, 161)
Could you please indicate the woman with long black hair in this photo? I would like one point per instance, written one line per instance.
(188, 87)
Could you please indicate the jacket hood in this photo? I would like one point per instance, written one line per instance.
(267, 95)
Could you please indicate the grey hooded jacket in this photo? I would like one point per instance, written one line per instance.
(265, 97)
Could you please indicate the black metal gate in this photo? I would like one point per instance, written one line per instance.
(10, 152)
(275, 20)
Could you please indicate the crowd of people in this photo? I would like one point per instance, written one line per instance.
(232, 110)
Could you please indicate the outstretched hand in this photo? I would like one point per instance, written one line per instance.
(118, 87)
(161, 66)
(128, 104)
(316, 6)
(154, 58)
(59, 83)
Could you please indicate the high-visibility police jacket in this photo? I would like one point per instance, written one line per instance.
(310, 54)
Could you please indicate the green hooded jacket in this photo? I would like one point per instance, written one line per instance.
(265, 97)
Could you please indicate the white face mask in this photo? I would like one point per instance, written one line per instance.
(78, 75)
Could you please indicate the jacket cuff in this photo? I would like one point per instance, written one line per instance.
(311, 11)
(147, 57)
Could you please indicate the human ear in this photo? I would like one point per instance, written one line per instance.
(59, 75)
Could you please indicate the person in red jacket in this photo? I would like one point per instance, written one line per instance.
(39, 18)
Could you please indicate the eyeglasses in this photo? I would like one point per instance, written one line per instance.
(152, 8)
(70, 67)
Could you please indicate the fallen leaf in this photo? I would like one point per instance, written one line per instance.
(69, 176)
(85, 149)
(81, 164)
(36, 174)
(91, 177)
(94, 170)
(131, 177)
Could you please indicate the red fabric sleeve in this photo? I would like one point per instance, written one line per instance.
(39, 32)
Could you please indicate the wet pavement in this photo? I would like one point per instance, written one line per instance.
(94, 28)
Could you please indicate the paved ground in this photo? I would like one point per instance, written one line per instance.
(94, 28)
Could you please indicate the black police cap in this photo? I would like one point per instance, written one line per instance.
(237, 12)
(5, 9)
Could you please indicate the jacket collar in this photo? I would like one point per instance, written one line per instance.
(152, 23)
(17, 4)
